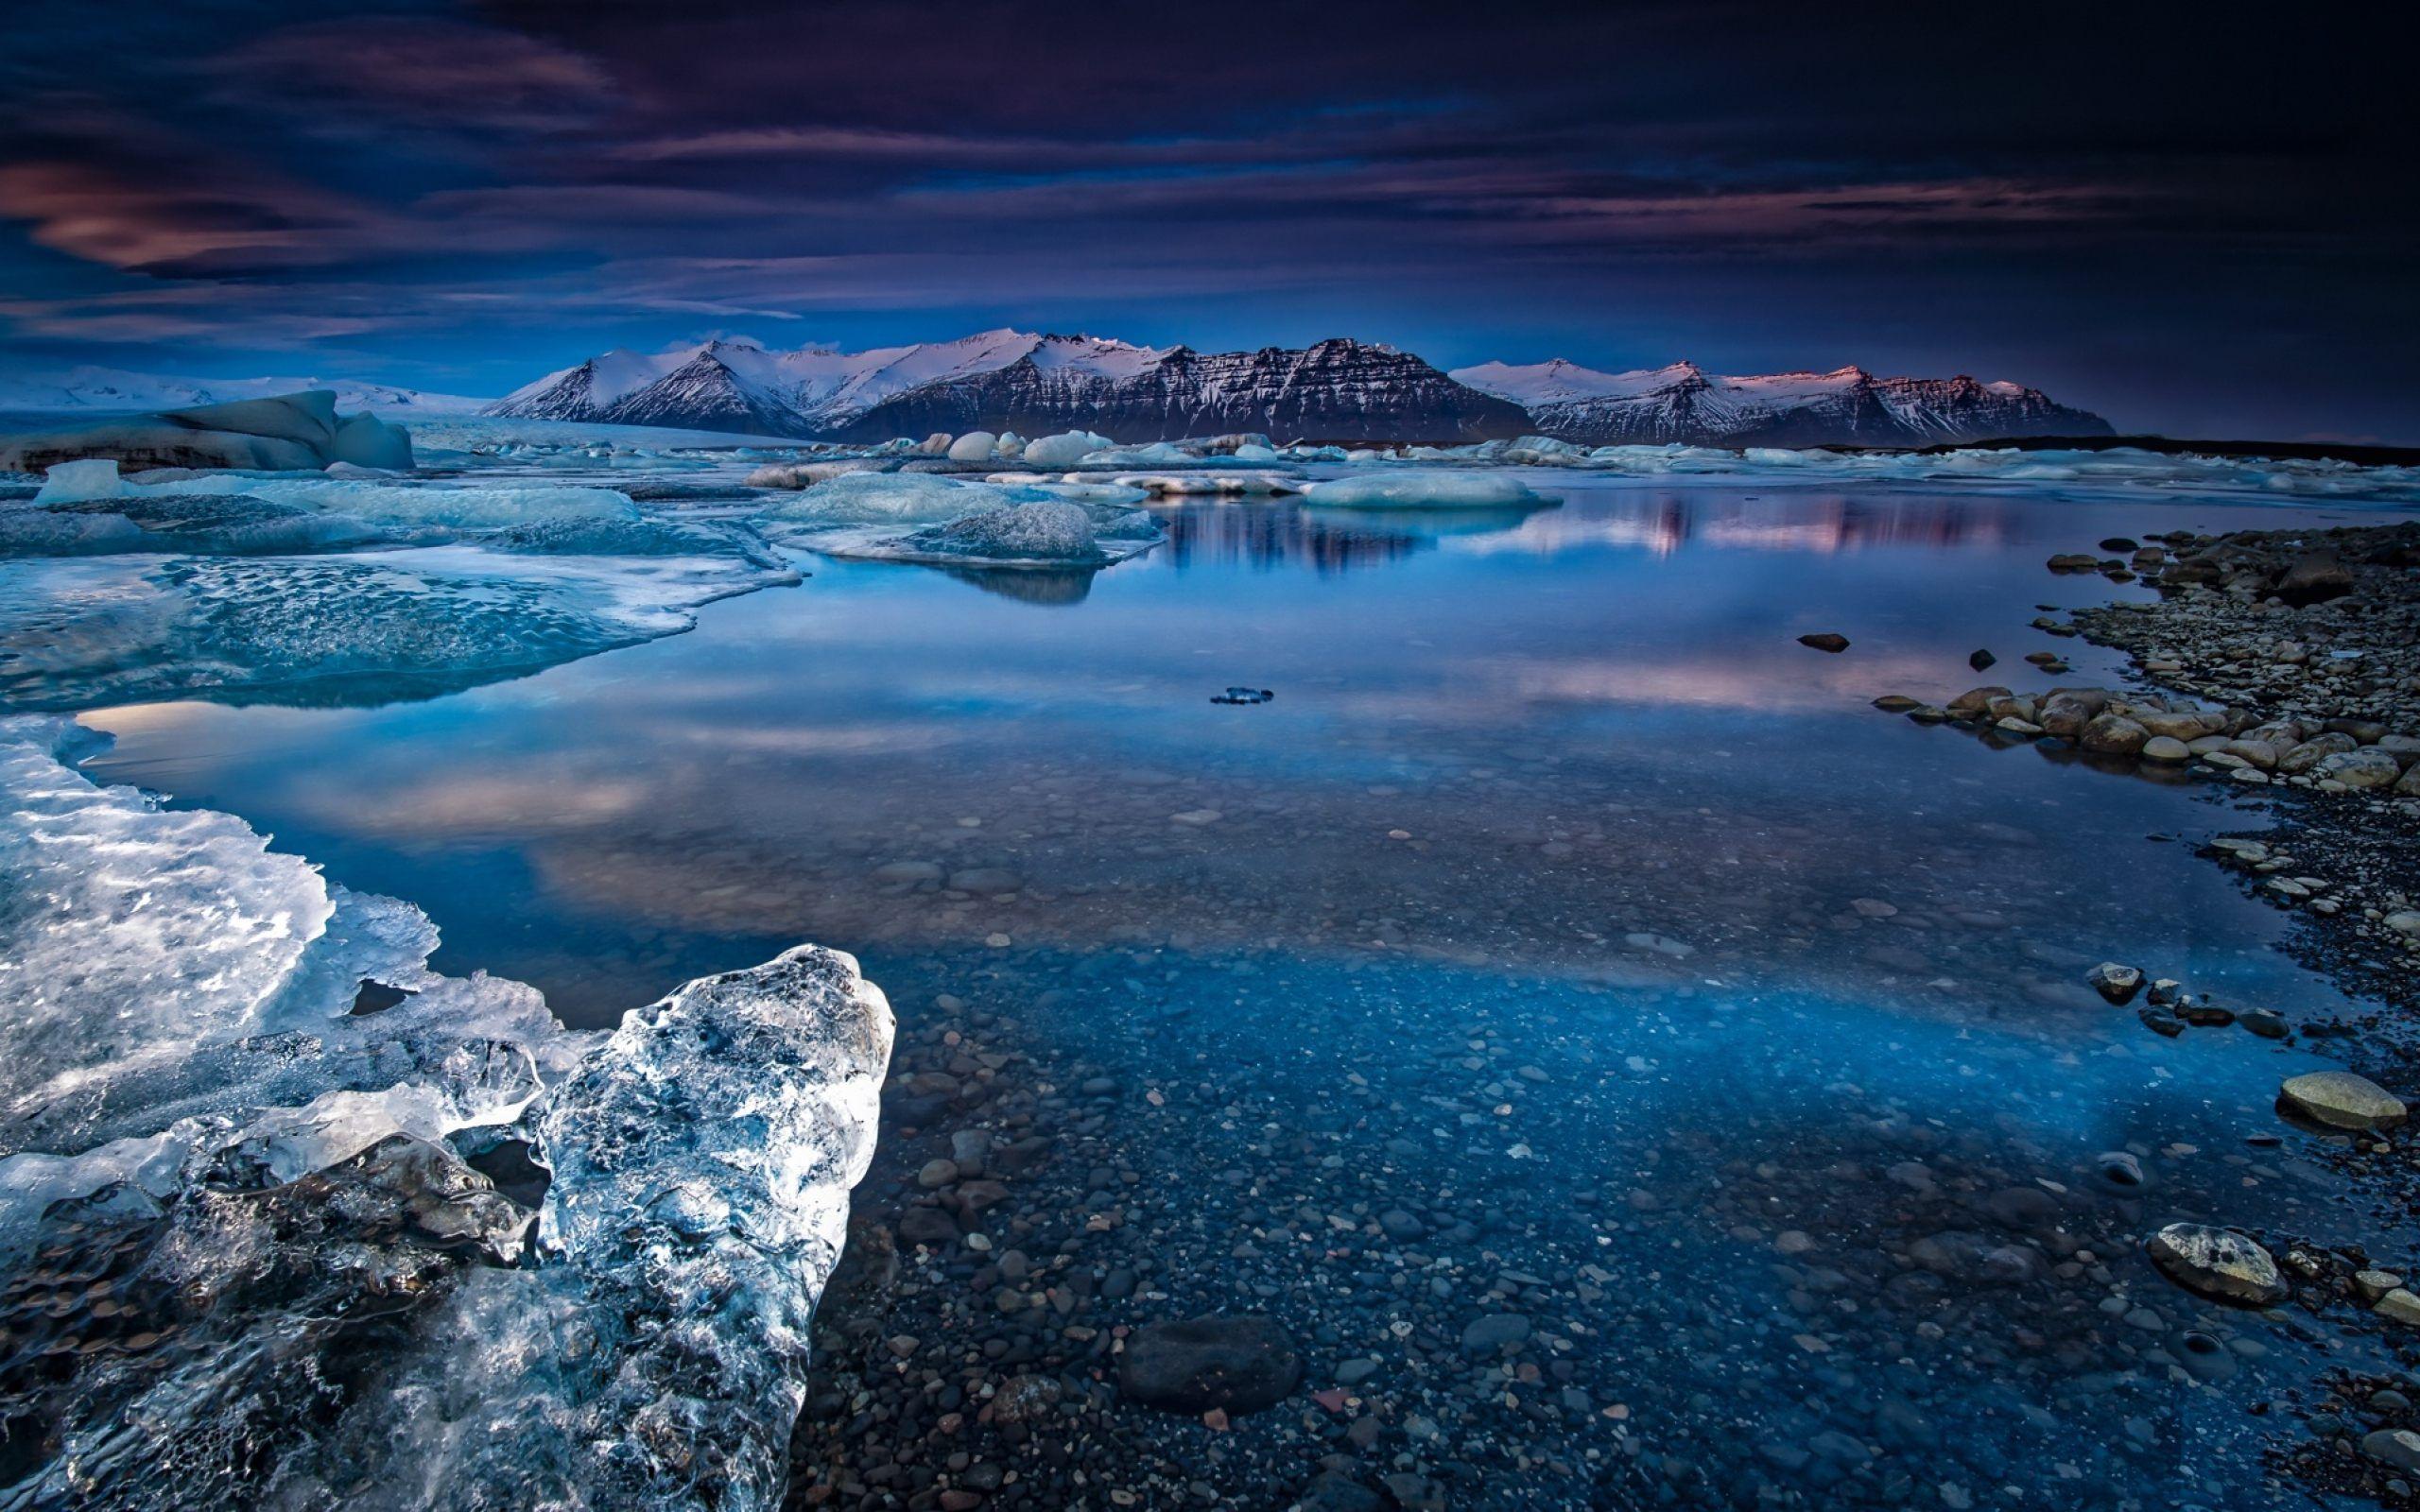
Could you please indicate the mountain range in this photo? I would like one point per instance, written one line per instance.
(1005, 380)
(1339, 390)
(1846, 406)
(75, 391)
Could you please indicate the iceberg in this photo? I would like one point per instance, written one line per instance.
(1425, 488)
(292, 432)
(1066, 448)
(1027, 533)
(975, 446)
(300, 1285)
(884, 498)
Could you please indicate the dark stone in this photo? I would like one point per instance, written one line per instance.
(1331, 1492)
(1825, 641)
(1980, 659)
(1491, 1331)
(1238, 1364)
(929, 1227)
(2314, 578)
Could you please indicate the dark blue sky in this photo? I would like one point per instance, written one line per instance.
(2191, 220)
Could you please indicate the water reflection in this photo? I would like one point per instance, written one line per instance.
(1263, 536)
(1267, 534)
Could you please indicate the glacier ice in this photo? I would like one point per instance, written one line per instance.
(298, 1287)
(292, 431)
(882, 498)
(1026, 533)
(1425, 488)
(366, 626)
(975, 446)
(1066, 448)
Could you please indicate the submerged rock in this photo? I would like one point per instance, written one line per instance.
(1236, 1364)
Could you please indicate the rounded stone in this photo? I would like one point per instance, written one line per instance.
(2217, 1264)
(2166, 748)
(2340, 1099)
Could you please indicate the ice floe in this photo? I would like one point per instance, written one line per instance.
(919, 517)
(1425, 488)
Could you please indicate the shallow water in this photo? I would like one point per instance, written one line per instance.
(1558, 898)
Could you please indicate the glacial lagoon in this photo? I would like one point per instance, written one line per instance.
(1630, 1068)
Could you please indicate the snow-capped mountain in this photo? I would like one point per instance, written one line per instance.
(1014, 380)
(1846, 408)
(1338, 389)
(113, 388)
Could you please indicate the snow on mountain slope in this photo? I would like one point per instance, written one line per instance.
(1334, 389)
(1007, 379)
(115, 389)
(1846, 406)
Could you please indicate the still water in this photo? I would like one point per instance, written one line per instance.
(1731, 1034)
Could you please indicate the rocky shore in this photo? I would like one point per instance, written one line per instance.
(2287, 665)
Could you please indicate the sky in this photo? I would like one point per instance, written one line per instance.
(2193, 220)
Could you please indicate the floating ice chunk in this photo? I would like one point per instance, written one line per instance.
(807, 475)
(1158, 454)
(975, 446)
(1032, 533)
(886, 498)
(366, 625)
(1066, 448)
(937, 444)
(1021, 532)
(1012, 444)
(1424, 490)
(1254, 452)
(77, 482)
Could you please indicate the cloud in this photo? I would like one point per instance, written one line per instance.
(426, 72)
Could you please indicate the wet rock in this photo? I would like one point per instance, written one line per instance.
(1825, 641)
(1234, 1364)
(2398, 1447)
(2314, 578)
(2368, 768)
(2340, 1099)
(1980, 659)
(2166, 748)
(2217, 1264)
(1026, 1398)
(2398, 1305)
(2119, 1172)
(929, 1227)
(1974, 701)
(2113, 735)
(2116, 983)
